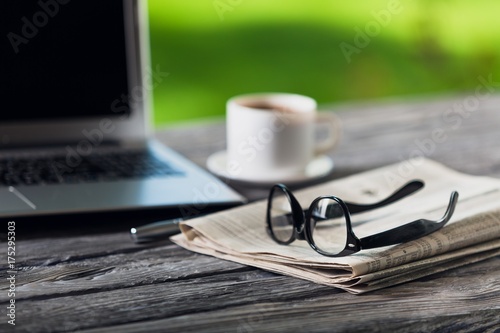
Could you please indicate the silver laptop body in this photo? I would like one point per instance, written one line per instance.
(65, 102)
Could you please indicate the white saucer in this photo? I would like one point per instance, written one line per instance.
(321, 166)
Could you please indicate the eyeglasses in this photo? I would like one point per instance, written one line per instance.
(327, 226)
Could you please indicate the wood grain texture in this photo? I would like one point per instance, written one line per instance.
(101, 282)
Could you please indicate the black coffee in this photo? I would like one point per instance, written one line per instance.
(263, 105)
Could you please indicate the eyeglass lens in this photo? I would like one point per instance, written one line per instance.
(281, 215)
(328, 226)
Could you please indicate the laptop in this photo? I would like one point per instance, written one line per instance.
(75, 134)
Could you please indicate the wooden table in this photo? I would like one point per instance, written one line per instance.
(99, 281)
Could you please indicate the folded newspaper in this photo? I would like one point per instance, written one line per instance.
(473, 233)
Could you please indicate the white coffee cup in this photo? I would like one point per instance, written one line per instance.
(271, 136)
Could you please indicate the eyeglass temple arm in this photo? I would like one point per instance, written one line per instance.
(404, 191)
(410, 231)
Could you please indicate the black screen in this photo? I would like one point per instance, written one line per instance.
(61, 58)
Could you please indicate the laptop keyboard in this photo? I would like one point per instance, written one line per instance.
(93, 168)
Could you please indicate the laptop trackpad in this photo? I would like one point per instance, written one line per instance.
(13, 200)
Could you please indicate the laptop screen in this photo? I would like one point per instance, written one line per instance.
(62, 59)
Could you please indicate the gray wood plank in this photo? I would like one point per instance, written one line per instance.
(116, 271)
(50, 251)
(279, 303)
(300, 317)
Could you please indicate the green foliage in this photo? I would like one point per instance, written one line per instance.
(214, 49)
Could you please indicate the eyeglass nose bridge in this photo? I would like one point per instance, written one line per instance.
(300, 232)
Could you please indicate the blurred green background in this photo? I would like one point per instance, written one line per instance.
(215, 49)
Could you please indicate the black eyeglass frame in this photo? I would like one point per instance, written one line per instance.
(401, 234)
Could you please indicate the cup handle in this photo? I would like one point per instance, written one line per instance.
(332, 122)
